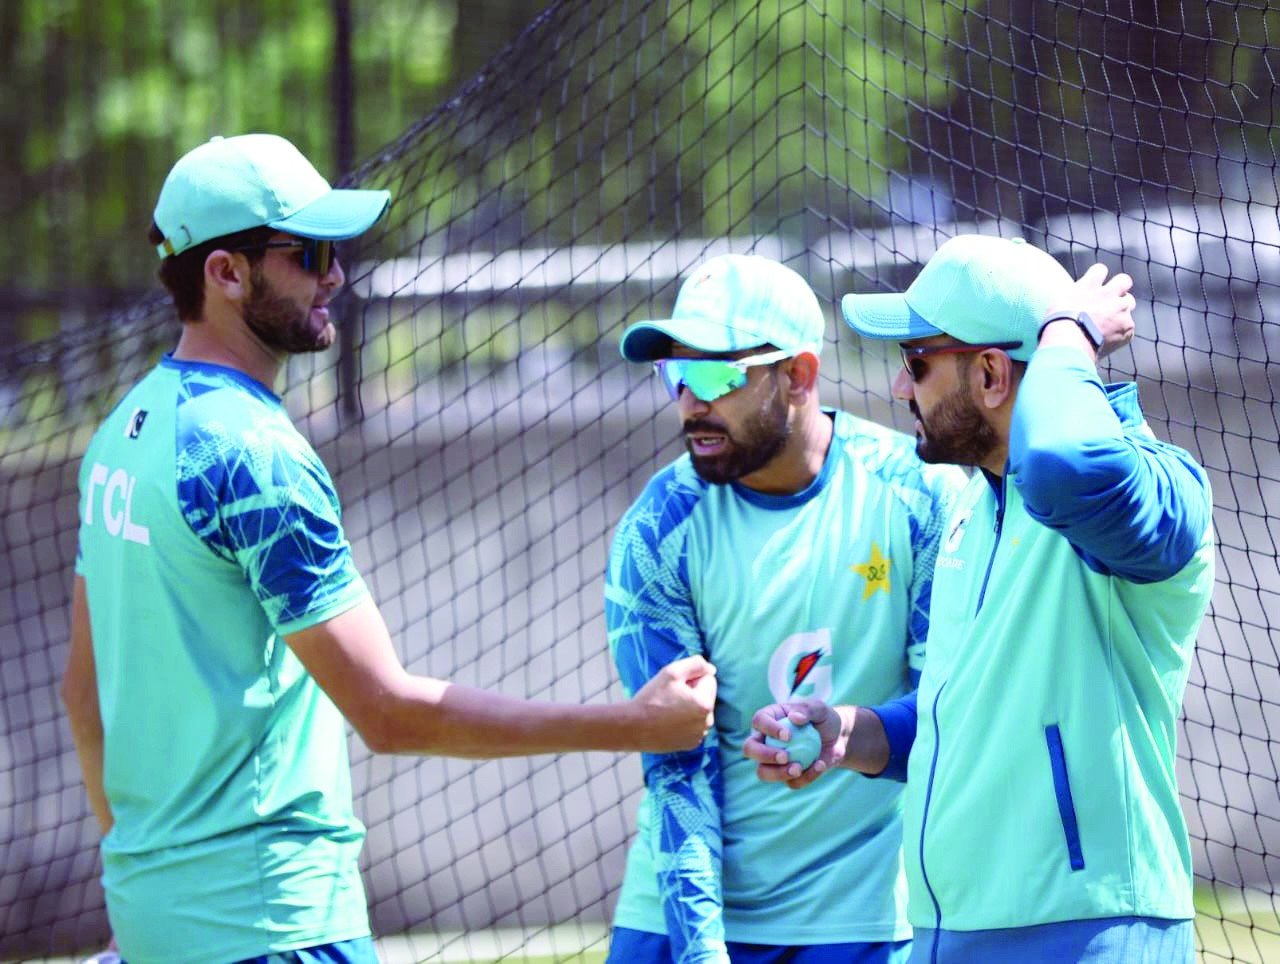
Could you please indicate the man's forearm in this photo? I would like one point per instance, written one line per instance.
(435, 717)
(394, 711)
(866, 748)
(80, 697)
(87, 735)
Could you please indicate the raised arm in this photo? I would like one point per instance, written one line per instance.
(1084, 461)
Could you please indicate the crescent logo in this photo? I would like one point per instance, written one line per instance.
(133, 427)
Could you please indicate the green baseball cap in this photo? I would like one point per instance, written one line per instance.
(232, 184)
(730, 303)
(977, 289)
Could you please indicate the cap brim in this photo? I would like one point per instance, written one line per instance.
(650, 340)
(886, 316)
(336, 216)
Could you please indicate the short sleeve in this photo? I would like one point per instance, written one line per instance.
(260, 497)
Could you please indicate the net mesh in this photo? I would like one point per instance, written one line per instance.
(485, 436)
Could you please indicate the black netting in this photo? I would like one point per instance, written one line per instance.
(485, 436)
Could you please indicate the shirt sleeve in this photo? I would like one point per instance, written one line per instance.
(650, 617)
(899, 718)
(260, 497)
(1131, 505)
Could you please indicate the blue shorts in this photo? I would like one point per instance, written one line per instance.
(358, 951)
(634, 947)
(1111, 940)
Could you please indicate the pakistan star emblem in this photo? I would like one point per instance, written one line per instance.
(875, 570)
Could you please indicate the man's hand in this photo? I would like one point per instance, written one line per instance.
(1107, 301)
(773, 720)
(677, 705)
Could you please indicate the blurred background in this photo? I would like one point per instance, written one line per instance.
(557, 169)
(100, 98)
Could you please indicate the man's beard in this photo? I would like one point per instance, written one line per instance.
(762, 436)
(281, 324)
(955, 432)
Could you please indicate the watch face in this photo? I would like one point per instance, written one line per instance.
(1090, 329)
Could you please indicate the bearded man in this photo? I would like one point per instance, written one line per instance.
(220, 631)
(1042, 818)
(794, 545)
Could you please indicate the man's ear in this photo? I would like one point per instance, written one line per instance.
(993, 379)
(227, 274)
(802, 372)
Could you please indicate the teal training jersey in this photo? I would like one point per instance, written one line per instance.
(819, 594)
(209, 529)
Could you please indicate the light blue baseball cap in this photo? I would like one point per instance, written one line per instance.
(730, 303)
(976, 288)
(232, 184)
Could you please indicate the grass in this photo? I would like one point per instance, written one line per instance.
(1237, 926)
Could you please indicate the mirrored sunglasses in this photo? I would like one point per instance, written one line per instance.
(314, 255)
(710, 378)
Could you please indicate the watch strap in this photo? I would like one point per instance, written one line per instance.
(1083, 321)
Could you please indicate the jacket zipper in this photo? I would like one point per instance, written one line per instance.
(937, 735)
(991, 561)
(924, 823)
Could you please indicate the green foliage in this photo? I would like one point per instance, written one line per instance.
(795, 93)
(784, 93)
(102, 96)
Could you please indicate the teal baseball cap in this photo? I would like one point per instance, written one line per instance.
(976, 288)
(730, 303)
(231, 184)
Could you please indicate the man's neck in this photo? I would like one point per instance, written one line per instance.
(995, 462)
(207, 341)
(794, 468)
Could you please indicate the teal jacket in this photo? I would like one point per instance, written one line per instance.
(1066, 601)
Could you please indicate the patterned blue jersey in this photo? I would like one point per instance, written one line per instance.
(822, 594)
(209, 530)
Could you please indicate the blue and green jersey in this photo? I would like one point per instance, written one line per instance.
(822, 594)
(209, 530)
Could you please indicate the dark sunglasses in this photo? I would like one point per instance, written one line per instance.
(314, 255)
(913, 359)
(710, 378)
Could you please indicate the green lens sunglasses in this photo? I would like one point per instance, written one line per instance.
(710, 378)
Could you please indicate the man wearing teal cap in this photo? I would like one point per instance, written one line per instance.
(220, 631)
(1042, 818)
(793, 546)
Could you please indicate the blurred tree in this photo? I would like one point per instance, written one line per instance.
(1093, 105)
(695, 103)
(483, 27)
(100, 96)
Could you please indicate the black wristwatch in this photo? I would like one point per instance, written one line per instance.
(1081, 318)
